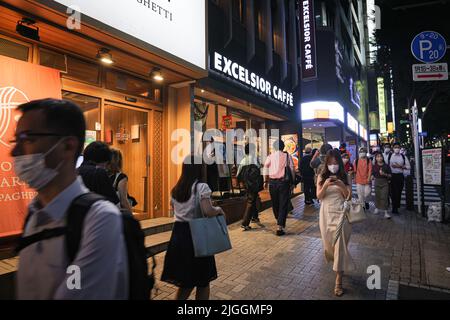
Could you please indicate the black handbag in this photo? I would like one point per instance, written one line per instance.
(287, 172)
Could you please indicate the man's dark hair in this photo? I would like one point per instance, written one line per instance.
(325, 148)
(387, 144)
(278, 145)
(343, 145)
(396, 144)
(61, 116)
(97, 152)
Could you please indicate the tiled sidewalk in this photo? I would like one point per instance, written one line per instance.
(262, 266)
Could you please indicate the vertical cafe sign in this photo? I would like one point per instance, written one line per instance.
(307, 39)
(15, 89)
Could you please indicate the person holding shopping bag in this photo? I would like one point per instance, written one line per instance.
(332, 191)
(181, 267)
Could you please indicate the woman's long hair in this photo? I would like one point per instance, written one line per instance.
(375, 157)
(325, 173)
(190, 172)
(116, 163)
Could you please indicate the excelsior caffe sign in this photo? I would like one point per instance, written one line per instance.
(230, 68)
(175, 27)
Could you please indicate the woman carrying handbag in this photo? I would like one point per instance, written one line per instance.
(181, 267)
(333, 191)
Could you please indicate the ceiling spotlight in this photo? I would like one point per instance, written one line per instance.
(228, 100)
(203, 90)
(27, 28)
(105, 56)
(156, 75)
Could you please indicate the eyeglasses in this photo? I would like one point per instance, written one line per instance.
(27, 137)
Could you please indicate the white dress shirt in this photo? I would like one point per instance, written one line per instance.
(101, 258)
(398, 160)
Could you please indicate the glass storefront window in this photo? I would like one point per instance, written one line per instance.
(83, 71)
(119, 81)
(53, 59)
(14, 50)
(91, 109)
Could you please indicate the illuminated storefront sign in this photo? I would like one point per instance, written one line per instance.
(307, 39)
(381, 105)
(322, 110)
(155, 22)
(239, 73)
(352, 124)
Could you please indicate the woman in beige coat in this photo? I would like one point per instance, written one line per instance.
(332, 191)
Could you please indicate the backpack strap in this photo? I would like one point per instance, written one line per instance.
(389, 159)
(73, 229)
(75, 218)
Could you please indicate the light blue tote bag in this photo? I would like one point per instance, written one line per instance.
(209, 234)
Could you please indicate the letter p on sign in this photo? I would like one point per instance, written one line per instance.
(424, 45)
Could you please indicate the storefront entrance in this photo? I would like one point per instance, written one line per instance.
(126, 129)
(137, 133)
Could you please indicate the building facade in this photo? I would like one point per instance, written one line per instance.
(119, 62)
(334, 49)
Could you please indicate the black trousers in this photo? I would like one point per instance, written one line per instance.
(397, 182)
(279, 193)
(251, 210)
(308, 184)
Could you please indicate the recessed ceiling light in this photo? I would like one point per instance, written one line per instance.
(228, 100)
(203, 90)
(156, 74)
(105, 56)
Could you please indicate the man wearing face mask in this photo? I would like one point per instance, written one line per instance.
(49, 138)
(363, 177)
(399, 165)
(386, 151)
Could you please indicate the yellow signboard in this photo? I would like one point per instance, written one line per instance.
(381, 105)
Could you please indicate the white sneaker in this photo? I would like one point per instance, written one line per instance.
(387, 215)
(376, 211)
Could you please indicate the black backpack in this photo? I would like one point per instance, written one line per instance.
(251, 176)
(140, 282)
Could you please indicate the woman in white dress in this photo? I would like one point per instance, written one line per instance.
(332, 190)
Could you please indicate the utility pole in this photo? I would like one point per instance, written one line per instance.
(415, 133)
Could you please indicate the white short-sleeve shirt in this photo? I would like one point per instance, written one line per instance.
(184, 211)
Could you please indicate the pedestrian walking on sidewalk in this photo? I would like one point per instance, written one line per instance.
(349, 170)
(307, 174)
(181, 267)
(279, 176)
(249, 172)
(332, 190)
(398, 164)
(48, 140)
(381, 174)
(363, 177)
(119, 181)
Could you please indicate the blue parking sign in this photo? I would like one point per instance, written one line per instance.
(428, 47)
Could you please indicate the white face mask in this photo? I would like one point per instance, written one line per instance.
(31, 168)
(387, 150)
(333, 168)
(362, 154)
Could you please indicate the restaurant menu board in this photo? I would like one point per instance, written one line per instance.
(432, 166)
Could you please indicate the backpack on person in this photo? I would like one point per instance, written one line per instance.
(140, 282)
(251, 176)
(403, 157)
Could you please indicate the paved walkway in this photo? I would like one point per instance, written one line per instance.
(263, 266)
